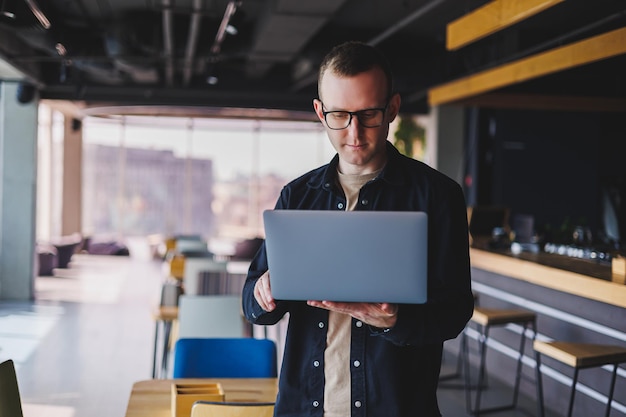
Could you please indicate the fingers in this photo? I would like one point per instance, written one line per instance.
(382, 315)
(389, 309)
(314, 303)
(263, 293)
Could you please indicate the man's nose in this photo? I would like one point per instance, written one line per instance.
(355, 124)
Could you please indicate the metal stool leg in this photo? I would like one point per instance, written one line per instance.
(481, 370)
(539, 384)
(465, 352)
(518, 370)
(518, 373)
(459, 372)
(166, 340)
(154, 355)
(571, 397)
(458, 368)
(611, 390)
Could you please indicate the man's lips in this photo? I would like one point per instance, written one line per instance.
(357, 146)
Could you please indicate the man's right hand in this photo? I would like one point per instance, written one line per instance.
(263, 293)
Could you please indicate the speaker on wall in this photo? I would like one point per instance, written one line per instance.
(25, 92)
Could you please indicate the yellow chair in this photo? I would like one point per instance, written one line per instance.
(231, 409)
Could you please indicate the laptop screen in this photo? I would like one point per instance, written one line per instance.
(356, 256)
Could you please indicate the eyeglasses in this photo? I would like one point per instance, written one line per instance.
(341, 119)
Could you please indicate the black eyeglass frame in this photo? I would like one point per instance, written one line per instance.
(354, 113)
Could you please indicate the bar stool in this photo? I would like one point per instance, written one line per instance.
(578, 356)
(487, 318)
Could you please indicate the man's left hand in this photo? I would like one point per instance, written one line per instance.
(381, 315)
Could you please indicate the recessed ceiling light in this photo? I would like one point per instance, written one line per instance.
(34, 7)
(231, 30)
(60, 49)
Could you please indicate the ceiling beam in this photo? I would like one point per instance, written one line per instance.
(192, 40)
(546, 102)
(168, 41)
(68, 108)
(491, 18)
(589, 50)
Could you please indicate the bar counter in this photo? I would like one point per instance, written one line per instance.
(575, 300)
(583, 278)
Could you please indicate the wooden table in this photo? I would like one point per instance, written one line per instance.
(152, 398)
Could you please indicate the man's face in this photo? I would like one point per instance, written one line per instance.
(361, 149)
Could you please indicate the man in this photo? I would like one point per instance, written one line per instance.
(368, 359)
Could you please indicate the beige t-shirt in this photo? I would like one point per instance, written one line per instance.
(337, 353)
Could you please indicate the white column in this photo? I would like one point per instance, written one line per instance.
(71, 212)
(18, 173)
(448, 129)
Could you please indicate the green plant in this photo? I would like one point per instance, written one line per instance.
(407, 133)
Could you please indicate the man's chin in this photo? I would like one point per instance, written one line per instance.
(354, 161)
(355, 155)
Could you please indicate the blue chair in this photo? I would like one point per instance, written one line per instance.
(240, 357)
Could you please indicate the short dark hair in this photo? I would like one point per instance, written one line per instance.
(352, 58)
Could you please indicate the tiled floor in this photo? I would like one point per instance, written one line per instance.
(84, 341)
(88, 337)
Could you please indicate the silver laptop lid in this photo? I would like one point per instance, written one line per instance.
(368, 256)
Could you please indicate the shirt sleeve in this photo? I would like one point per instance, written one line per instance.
(450, 301)
(251, 308)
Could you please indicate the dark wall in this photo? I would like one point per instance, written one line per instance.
(550, 164)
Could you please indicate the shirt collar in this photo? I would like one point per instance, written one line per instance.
(391, 173)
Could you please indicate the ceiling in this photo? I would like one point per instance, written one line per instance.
(182, 53)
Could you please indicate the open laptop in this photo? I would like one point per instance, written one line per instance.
(368, 256)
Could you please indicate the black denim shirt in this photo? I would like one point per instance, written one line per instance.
(393, 373)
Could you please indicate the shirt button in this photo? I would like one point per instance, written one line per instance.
(340, 206)
(316, 363)
(359, 324)
(357, 364)
(316, 403)
(320, 324)
(357, 404)
(365, 202)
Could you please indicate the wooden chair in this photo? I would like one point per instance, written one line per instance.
(578, 356)
(231, 409)
(10, 402)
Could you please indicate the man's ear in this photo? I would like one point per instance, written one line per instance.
(393, 107)
(317, 105)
